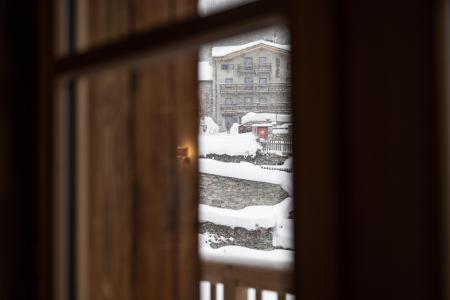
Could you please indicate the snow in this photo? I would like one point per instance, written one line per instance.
(262, 125)
(234, 128)
(265, 117)
(247, 171)
(230, 144)
(280, 131)
(205, 71)
(276, 259)
(288, 162)
(225, 50)
(283, 235)
(250, 217)
(211, 126)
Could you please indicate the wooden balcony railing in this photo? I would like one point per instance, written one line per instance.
(232, 109)
(255, 88)
(255, 68)
(237, 279)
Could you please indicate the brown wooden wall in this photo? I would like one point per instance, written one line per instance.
(139, 201)
(367, 229)
(17, 151)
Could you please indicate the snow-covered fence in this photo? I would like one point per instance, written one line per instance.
(280, 145)
(277, 168)
(241, 282)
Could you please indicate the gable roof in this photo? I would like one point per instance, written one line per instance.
(221, 51)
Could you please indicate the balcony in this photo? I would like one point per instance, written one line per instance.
(255, 68)
(237, 109)
(255, 88)
(237, 279)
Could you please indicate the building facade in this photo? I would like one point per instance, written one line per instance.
(254, 77)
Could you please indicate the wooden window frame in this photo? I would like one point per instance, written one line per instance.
(310, 23)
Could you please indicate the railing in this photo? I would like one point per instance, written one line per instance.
(255, 88)
(255, 68)
(232, 109)
(238, 279)
(277, 168)
(277, 145)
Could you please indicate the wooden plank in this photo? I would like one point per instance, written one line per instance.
(111, 188)
(281, 296)
(259, 294)
(241, 293)
(213, 291)
(312, 26)
(106, 201)
(156, 206)
(255, 277)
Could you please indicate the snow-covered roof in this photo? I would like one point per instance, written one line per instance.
(205, 71)
(265, 117)
(225, 50)
(262, 125)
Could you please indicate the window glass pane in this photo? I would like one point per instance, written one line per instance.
(245, 159)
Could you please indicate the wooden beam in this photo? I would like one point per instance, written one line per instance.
(165, 41)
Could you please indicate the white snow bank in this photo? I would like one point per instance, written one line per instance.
(205, 71)
(247, 171)
(234, 128)
(231, 144)
(283, 234)
(264, 117)
(250, 217)
(277, 259)
(288, 162)
(225, 50)
(211, 126)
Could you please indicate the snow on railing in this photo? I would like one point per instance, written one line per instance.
(226, 281)
(283, 146)
(277, 168)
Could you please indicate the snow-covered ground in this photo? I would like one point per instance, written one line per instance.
(252, 217)
(276, 259)
(247, 171)
(230, 144)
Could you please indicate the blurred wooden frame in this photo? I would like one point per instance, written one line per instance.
(311, 25)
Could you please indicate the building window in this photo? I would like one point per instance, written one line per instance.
(263, 60)
(227, 66)
(228, 101)
(263, 81)
(263, 100)
(248, 80)
(248, 60)
(228, 80)
(248, 100)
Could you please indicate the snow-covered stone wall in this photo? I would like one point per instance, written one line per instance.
(234, 193)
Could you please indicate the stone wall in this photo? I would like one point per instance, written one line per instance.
(227, 192)
(259, 159)
(219, 236)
